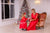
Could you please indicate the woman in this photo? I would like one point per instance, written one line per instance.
(33, 20)
(23, 23)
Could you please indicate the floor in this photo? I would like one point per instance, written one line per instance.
(14, 28)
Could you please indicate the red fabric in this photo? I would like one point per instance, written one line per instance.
(23, 23)
(32, 25)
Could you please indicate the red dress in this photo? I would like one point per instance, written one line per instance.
(32, 25)
(23, 23)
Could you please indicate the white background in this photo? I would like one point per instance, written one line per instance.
(44, 6)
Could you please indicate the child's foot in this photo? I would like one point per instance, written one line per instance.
(22, 29)
(25, 30)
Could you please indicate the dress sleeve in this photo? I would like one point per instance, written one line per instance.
(32, 15)
(36, 16)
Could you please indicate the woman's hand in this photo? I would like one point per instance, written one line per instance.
(31, 19)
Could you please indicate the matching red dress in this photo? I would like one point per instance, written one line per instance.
(32, 25)
(23, 23)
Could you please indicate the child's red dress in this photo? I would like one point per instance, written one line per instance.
(23, 23)
(32, 25)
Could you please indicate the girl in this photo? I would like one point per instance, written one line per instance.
(23, 23)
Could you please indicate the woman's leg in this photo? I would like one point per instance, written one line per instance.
(32, 25)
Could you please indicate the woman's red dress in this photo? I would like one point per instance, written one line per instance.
(23, 23)
(32, 25)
